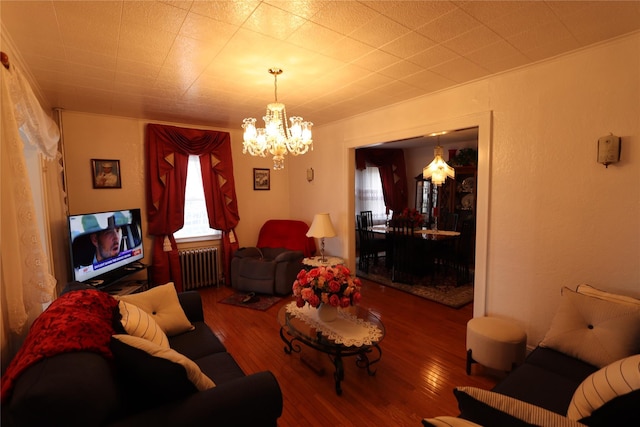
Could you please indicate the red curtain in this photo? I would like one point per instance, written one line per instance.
(167, 150)
(393, 174)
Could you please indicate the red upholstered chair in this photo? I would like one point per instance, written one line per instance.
(272, 265)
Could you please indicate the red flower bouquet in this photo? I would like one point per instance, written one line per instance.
(327, 285)
(412, 215)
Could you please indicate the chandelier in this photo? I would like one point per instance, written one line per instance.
(438, 170)
(277, 138)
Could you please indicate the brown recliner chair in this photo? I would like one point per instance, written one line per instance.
(272, 265)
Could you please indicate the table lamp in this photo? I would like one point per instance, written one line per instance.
(321, 227)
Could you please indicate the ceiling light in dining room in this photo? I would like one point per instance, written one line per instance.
(277, 137)
(438, 170)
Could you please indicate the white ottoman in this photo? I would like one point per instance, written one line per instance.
(495, 343)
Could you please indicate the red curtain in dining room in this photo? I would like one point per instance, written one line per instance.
(393, 174)
(167, 151)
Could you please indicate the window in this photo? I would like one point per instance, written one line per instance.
(369, 194)
(196, 221)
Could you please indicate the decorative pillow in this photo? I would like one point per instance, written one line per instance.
(618, 378)
(448, 422)
(594, 330)
(488, 408)
(597, 293)
(163, 304)
(140, 366)
(139, 323)
(619, 411)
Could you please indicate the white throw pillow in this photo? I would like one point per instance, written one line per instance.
(618, 378)
(139, 323)
(516, 408)
(162, 303)
(594, 330)
(195, 375)
(597, 293)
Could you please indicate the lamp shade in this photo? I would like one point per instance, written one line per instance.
(321, 226)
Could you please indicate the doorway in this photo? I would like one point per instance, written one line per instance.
(483, 121)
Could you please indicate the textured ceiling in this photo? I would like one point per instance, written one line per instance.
(206, 62)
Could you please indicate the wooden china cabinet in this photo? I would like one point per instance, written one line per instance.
(456, 195)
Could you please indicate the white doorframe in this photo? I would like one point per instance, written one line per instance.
(483, 121)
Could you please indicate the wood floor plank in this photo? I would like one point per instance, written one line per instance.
(423, 359)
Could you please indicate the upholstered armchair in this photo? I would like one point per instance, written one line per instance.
(272, 265)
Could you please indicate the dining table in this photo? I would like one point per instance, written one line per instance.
(433, 243)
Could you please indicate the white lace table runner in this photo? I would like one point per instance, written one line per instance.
(347, 329)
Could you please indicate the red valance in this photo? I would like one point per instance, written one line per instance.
(168, 149)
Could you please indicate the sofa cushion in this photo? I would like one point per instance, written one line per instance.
(163, 304)
(139, 323)
(618, 378)
(153, 363)
(488, 408)
(69, 389)
(197, 343)
(619, 411)
(594, 330)
(220, 367)
(80, 320)
(286, 233)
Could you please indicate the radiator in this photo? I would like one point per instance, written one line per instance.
(199, 267)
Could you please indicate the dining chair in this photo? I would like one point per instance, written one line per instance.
(371, 247)
(464, 252)
(451, 222)
(367, 217)
(406, 252)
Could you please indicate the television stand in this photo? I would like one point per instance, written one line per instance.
(121, 282)
(126, 287)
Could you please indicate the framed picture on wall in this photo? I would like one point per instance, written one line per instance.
(106, 173)
(261, 179)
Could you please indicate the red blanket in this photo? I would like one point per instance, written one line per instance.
(286, 233)
(77, 321)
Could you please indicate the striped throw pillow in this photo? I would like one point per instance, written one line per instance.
(139, 323)
(618, 378)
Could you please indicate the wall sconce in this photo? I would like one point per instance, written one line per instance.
(609, 149)
(309, 174)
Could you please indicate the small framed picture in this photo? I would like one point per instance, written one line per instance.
(106, 173)
(261, 179)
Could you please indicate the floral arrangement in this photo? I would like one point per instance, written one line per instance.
(413, 215)
(332, 285)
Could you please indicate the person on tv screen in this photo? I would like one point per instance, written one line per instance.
(99, 237)
(107, 242)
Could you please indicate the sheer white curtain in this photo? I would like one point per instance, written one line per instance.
(369, 194)
(25, 277)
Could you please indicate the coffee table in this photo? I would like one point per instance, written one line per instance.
(356, 332)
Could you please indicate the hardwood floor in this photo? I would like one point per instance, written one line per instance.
(423, 359)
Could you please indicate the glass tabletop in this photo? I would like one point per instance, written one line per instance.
(304, 330)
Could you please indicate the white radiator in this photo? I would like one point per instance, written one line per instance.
(199, 267)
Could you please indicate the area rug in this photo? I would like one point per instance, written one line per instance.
(441, 288)
(257, 302)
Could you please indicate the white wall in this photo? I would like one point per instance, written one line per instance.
(92, 136)
(555, 216)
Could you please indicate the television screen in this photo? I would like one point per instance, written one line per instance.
(103, 243)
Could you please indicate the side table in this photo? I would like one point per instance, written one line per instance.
(316, 261)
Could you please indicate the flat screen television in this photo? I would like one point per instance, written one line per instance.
(105, 246)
